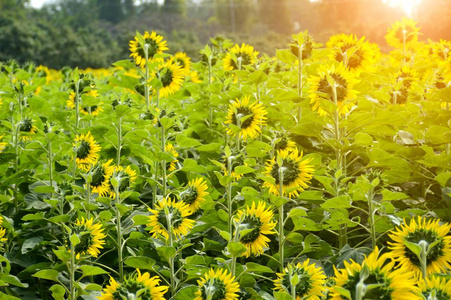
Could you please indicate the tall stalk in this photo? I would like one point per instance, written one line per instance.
(281, 221)
(146, 83)
(16, 162)
(371, 222)
(229, 196)
(119, 232)
(119, 141)
(171, 244)
(163, 162)
(72, 272)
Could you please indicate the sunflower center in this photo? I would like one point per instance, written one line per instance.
(242, 112)
(304, 285)
(282, 144)
(98, 177)
(175, 217)
(189, 196)
(83, 150)
(253, 227)
(214, 289)
(428, 236)
(130, 288)
(290, 174)
(181, 62)
(90, 109)
(383, 292)
(166, 76)
(26, 125)
(85, 240)
(341, 89)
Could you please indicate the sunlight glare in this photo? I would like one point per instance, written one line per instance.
(408, 6)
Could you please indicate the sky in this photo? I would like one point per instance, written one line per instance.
(38, 3)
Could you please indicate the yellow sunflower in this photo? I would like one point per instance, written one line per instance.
(155, 43)
(135, 286)
(245, 56)
(356, 55)
(172, 165)
(248, 117)
(125, 178)
(434, 285)
(183, 60)
(194, 77)
(94, 110)
(438, 259)
(2, 232)
(296, 173)
(27, 129)
(101, 177)
(302, 42)
(91, 237)
(405, 31)
(86, 149)
(284, 143)
(171, 76)
(320, 88)
(376, 270)
(175, 213)
(442, 50)
(255, 223)
(311, 281)
(236, 160)
(218, 285)
(2, 144)
(195, 193)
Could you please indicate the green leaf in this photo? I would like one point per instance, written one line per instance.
(236, 248)
(256, 268)
(58, 292)
(140, 262)
(63, 255)
(258, 77)
(47, 274)
(187, 142)
(415, 248)
(166, 252)
(187, 292)
(140, 220)
(337, 202)
(282, 296)
(91, 271)
(343, 292)
(30, 244)
(74, 239)
(390, 196)
(363, 139)
(301, 223)
(42, 189)
(11, 279)
(243, 170)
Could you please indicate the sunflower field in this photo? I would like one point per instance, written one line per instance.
(321, 173)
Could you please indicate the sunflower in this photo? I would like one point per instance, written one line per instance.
(171, 76)
(195, 193)
(402, 31)
(311, 280)
(171, 166)
(27, 129)
(362, 54)
(284, 143)
(43, 72)
(254, 224)
(91, 237)
(125, 178)
(217, 285)
(440, 287)
(94, 110)
(135, 286)
(101, 177)
(86, 149)
(155, 43)
(183, 61)
(302, 42)
(442, 50)
(296, 173)
(320, 88)
(168, 211)
(374, 270)
(2, 232)
(438, 259)
(2, 144)
(236, 161)
(246, 55)
(254, 116)
(194, 77)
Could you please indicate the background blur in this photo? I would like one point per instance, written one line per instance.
(95, 33)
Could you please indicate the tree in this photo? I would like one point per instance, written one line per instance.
(175, 6)
(274, 13)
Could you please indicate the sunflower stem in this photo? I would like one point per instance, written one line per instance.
(146, 83)
(293, 291)
(119, 141)
(16, 163)
(119, 233)
(300, 67)
(88, 191)
(238, 123)
(281, 221)
(171, 244)
(77, 121)
(423, 257)
(229, 195)
(50, 157)
(72, 272)
(163, 162)
(404, 47)
(371, 223)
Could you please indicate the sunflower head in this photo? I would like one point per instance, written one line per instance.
(297, 173)
(254, 224)
(152, 42)
(184, 61)
(195, 193)
(101, 177)
(170, 213)
(93, 110)
(311, 280)
(302, 43)
(248, 118)
(376, 271)
(333, 83)
(428, 233)
(194, 77)
(3, 239)
(435, 287)
(405, 31)
(135, 286)
(125, 178)
(27, 129)
(245, 55)
(172, 165)
(284, 143)
(171, 76)
(217, 285)
(442, 50)
(91, 237)
(2, 144)
(86, 151)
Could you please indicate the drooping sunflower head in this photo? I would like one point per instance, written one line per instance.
(27, 129)
(217, 285)
(171, 76)
(93, 110)
(135, 286)
(153, 42)
(125, 178)
(333, 83)
(405, 31)
(407, 76)
(101, 177)
(3, 239)
(183, 60)
(311, 280)
(254, 224)
(195, 193)
(91, 237)
(284, 143)
(245, 56)
(422, 231)
(86, 151)
(356, 55)
(297, 173)
(248, 117)
(302, 43)
(375, 270)
(442, 50)
(171, 165)
(435, 287)
(2, 144)
(235, 160)
(170, 213)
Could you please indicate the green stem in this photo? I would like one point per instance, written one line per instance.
(423, 258)
(77, 120)
(119, 141)
(146, 83)
(172, 258)
(119, 234)
(50, 151)
(229, 196)
(16, 164)
(281, 222)
(300, 67)
(293, 291)
(371, 222)
(72, 272)
(88, 191)
(163, 162)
